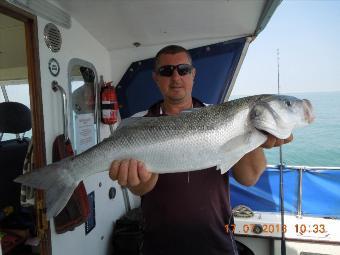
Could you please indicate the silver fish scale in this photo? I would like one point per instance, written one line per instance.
(170, 143)
(185, 142)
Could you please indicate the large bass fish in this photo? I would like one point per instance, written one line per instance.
(217, 135)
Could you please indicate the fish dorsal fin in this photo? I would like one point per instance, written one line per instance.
(139, 122)
(133, 121)
(130, 121)
(189, 110)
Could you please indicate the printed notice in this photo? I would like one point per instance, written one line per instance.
(85, 132)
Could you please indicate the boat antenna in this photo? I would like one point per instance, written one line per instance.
(278, 71)
(282, 209)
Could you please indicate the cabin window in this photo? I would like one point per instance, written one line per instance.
(17, 91)
(83, 109)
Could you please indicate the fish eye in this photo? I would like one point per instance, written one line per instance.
(288, 103)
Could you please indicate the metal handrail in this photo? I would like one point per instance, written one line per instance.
(306, 167)
(299, 212)
(55, 88)
(4, 93)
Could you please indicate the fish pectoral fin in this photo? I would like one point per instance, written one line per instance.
(223, 167)
(236, 143)
(228, 164)
(232, 151)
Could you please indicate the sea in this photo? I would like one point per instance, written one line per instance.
(319, 143)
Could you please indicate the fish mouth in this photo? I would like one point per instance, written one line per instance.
(308, 111)
(281, 134)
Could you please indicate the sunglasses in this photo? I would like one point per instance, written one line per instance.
(168, 70)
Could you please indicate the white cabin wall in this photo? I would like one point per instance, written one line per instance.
(78, 43)
(297, 248)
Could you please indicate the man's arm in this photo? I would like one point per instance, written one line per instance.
(250, 167)
(133, 174)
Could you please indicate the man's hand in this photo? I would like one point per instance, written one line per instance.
(273, 141)
(134, 175)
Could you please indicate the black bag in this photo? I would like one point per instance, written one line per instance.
(128, 233)
(243, 249)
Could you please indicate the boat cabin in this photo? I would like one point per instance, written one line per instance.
(57, 56)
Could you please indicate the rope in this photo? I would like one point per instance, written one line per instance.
(242, 211)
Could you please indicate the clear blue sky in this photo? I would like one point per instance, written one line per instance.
(307, 33)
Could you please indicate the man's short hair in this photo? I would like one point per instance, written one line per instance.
(171, 49)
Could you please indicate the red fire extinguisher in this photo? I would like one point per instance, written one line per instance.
(109, 104)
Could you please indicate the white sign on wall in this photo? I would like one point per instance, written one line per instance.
(84, 131)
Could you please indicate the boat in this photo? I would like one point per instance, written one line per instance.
(60, 55)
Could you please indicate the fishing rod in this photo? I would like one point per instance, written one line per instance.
(283, 238)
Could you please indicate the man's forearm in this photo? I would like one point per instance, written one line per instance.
(249, 168)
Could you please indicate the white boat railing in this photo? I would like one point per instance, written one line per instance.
(306, 168)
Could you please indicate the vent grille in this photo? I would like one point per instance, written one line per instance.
(52, 37)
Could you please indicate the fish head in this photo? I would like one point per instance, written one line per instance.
(279, 114)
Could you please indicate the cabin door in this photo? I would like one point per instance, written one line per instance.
(20, 82)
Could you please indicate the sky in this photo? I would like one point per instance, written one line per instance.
(307, 34)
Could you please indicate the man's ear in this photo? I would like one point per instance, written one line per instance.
(193, 73)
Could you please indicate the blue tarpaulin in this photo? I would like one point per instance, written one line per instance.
(320, 192)
(215, 65)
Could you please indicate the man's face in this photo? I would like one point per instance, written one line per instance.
(175, 88)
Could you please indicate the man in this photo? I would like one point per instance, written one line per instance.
(186, 213)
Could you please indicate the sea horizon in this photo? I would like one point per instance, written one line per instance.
(286, 93)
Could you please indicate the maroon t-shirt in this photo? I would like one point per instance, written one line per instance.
(186, 213)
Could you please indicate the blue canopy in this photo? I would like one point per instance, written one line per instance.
(215, 65)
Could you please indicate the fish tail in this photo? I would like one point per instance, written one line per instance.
(57, 182)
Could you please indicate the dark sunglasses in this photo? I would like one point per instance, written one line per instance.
(168, 70)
